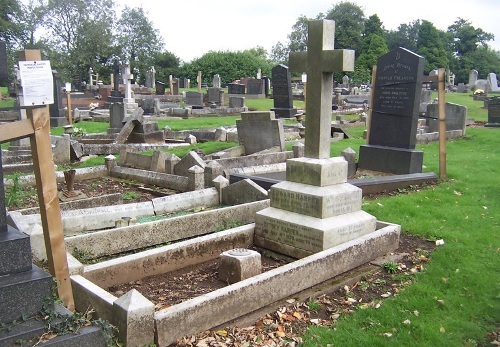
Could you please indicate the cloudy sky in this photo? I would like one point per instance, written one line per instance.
(191, 28)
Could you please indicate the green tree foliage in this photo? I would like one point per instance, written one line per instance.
(405, 36)
(373, 25)
(166, 63)
(376, 47)
(229, 65)
(430, 46)
(139, 40)
(349, 25)
(9, 20)
(297, 41)
(466, 38)
(78, 35)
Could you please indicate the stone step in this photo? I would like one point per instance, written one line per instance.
(24, 293)
(15, 252)
(31, 330)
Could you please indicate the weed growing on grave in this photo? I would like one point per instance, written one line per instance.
(17, 192)
(228, 224)
(313, 306)
(83, 256)
(391, 267)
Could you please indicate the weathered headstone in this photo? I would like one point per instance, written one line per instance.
(116, 115)
(216, 95)
(116, 95)
(456, 117)
(175, 86)
(194, 99)
(493, 113)
(493, 83)
(461, 88)
(473, 78)
(282, 92)
(150, 77)
(236, 101)
(259, 131)
(255, 87)
(315, 209)
(160, 88)
(216, 81)
(395, 111)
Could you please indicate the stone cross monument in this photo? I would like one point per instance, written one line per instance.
(315, 208)
(320, 62)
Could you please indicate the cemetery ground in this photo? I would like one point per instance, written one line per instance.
(453, 298)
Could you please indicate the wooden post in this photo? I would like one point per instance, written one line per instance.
(170, 82)
(46, 185)
(442, 124)
(68, 101)
(199, 81)
(369, 115)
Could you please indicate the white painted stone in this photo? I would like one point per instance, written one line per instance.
(319, 202)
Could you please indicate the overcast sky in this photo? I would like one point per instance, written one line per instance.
(191, 28)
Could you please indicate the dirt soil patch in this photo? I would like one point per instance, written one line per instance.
(285, 322)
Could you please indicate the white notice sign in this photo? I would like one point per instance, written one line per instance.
(37, 82)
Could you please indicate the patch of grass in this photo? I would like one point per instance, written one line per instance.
(391, 267)
(17, 192)
(130, 195)
(198, 123)
(313, 305)
(463, 211)
(228, 224)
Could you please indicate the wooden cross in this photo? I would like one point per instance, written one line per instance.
(320, 61)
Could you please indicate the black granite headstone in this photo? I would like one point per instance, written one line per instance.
(282, 92)
(234, 88)
(493, 112)
(395, 111)
(116, 95)
(57, 117)
(4, 69)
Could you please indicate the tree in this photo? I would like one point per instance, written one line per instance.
(430, 47)
(373, 25)
(297, 42)
(405, 35)
(9, 20)
(376, 48)
(78, 35)
(31, 18)
(349, 25)
(466, 37)
(229, 65)
(166, 63)
(138, 39)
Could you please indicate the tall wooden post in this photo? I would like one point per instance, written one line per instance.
(442, 124)
(199, 81)
(46, 185)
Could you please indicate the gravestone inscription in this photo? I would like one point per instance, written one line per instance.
(395, 111)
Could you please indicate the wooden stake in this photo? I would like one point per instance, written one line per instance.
(46, 186)
(68, 101)
(442, 124)
(199, 81)
(369, 115)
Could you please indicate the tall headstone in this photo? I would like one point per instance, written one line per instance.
(493, 113)
(282, 92)
(150, 77)
(57, 117)
(160, 88)
(4, 69)
(129, 101)
(472, 78)
(315, 209)
(493, 83)
(116, 95)
(216, 81)
(395, 112)
(216, 95)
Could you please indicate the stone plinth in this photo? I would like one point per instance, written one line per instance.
(313, 210)
(239, 264)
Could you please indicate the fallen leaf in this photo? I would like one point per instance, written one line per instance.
(297, 315)
(378, 203)
(386, 295)
(406, 321)
(335, 316)
(416, 313)
(387, 334)
(442, 330)
(457, 193)
(315, 321)
(290, 301)
(221, 332)
(441, 302)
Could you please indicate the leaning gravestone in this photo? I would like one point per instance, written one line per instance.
(315, 209)
(472, 78)
(282, 92)
(493, 83)
(493, 113)
(259, 131)
(395, 111)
